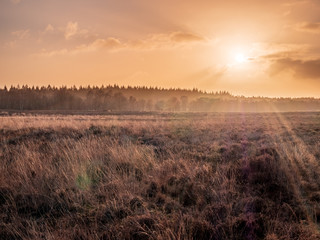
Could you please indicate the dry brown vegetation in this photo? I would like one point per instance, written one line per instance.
(165, 176)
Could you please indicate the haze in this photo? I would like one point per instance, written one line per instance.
(252, 48)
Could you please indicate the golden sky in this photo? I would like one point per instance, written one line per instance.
(246, 47)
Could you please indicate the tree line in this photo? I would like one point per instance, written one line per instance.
(120, 98)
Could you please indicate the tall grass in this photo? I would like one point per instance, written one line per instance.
(197, 176)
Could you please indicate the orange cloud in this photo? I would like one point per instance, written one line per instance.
(156, 41)
(311, 27)
(166, 40)
(279, 55)
(109, 43)
(301, 69)
(71, 30)
(294, 3)
(15, 1)
(48, 29)
(21, 34)
(185, 37)
(274, 51)
(46, 53)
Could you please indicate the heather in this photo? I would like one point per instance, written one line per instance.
(160, 176)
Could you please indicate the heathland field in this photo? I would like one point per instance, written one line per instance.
(160, 176)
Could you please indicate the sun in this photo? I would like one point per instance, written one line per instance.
(240, 58)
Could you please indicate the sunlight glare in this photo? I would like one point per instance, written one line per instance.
(240, 58)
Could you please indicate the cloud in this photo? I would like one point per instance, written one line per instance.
(18, 37)
(166, 40)
(294, 3)
(294, 59)
(99, 44)
(279, 55)
(156, 41)
(311, 27)
(301, 68)
(21, 34)
(185, 37)
(15, 1)
(49, 29)
(109, 43)
(273, 51)
(71, 30)
(46, 53)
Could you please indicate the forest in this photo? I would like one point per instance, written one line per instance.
(113, 98)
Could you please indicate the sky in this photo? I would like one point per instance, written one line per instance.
(247, 47)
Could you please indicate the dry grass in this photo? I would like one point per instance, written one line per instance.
(185, 176)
